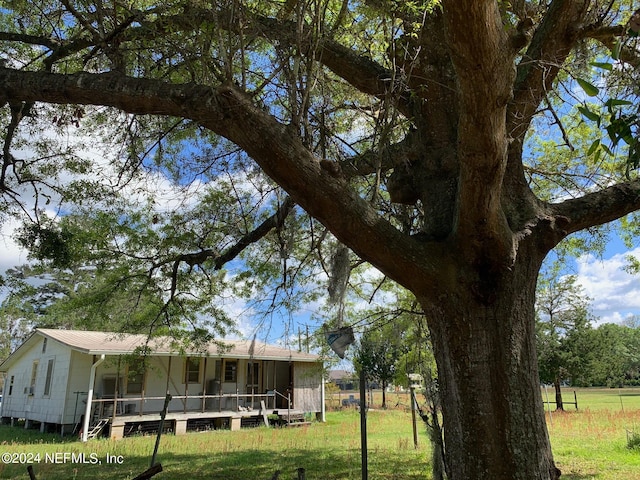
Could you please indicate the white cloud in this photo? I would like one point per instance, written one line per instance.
(615, 293)
(12, 253)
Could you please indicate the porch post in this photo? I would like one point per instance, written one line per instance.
(142, 392)
(168, 380)
(87, 411)
(116, 391)
(251, 373)
(204, 383)
(168, 374)
(323, 417)
(186, 386)
(220, 376)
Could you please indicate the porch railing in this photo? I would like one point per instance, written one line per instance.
(222, 402)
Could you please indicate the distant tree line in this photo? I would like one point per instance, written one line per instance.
(571, 350)
(610, 356)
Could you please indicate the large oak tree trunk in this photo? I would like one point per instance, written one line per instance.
(494, 423)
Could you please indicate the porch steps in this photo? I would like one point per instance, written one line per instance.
(97, 428)
(294, 420)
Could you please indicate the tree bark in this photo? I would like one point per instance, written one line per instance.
(494, 424)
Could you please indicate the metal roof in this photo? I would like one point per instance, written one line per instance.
(111, 343)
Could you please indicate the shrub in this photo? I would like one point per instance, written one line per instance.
(633, 440)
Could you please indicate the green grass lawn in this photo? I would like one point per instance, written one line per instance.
(591, 443)
(588, 444)
(615, 399)
(326, 451)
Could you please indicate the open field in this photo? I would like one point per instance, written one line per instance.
(588, 398)
(588, 444)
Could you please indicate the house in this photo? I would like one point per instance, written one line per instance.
(96, 382)
(343, 379)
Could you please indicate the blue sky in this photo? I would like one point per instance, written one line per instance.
(615, 293)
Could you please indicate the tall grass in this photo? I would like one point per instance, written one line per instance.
(591, 443)
(326, 451)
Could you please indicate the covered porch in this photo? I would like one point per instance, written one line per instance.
(206, 393)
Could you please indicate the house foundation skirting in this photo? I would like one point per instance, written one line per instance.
(181, 423)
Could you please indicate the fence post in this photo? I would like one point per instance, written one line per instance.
(31, 473)
(363, 424)
(413, 416)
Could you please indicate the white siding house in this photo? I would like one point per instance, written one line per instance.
(74, 380)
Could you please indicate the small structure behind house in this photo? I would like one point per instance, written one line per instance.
(343, 379)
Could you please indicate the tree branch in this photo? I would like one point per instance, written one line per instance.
(361, 72)
(550, 45)
(482, 57)
(608, 36)
(219, 260)
(274, 221)
(230, 112)
(29, 39)
(553, 39)
(600, 207)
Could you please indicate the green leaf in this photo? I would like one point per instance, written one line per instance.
(615, 53)
(593, 116)
(615, 102)
(607, 149)
(593, 147)
(597, 156)
(603, 65)
(588, 88)
(612, 131)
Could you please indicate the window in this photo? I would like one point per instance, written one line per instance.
(47, 383)
(230, 371)
(44, 345)
(11, 384)
(192, 370)
(34, 377)
(135, 381)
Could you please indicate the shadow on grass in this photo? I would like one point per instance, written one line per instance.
(19, 435)
(107, 460)
(578, 476)
(254, 465)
